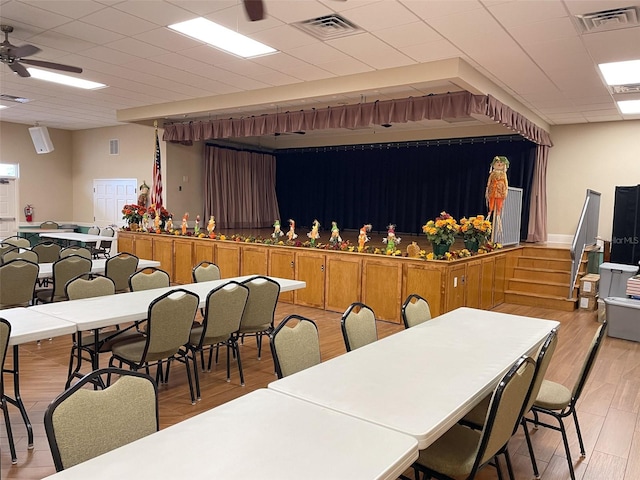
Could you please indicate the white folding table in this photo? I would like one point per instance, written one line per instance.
(69, 237)
(97, 266)
(28, 325)
(422, 380)
(262, 434)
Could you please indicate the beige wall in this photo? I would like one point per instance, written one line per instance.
(45, 180)
(596, 156)
(184, 169)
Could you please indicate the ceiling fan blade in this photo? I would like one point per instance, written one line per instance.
(19, 69)
(254, 9)
(23, 51)
(54, 66)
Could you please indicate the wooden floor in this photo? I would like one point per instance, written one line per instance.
(608, 410)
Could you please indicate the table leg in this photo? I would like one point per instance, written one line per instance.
(17, 401)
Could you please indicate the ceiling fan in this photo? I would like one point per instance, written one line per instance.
(14, 56)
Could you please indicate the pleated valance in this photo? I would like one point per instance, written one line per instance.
(412, 109)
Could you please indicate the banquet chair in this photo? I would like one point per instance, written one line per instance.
(83, 423)
(5, 333)
(75, 250)
(294, 349)
(415, 310)
(358, 326)
(105, 245)
(4, 248)
(17, 253)
(91, 246)
(477, 416)
(222, 315)
(148, 278)
(63, 270)
(18, 281)
(559, 402)
(49, 225)
(48, 252)
(205, 271)
(119, 268)
(257, 319)
(169, 321)
(461, 451)
(17, 241)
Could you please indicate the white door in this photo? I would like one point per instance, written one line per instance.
(109, 196)
(8, 211)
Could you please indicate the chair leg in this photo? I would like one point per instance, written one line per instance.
(7, 424)
(498, 469)
(228, 365)
(565, 441)
(575, 419)
(259, 342)
(196, 374)
(186, 364)
(509, 466)
(534, 464)
(236, 350)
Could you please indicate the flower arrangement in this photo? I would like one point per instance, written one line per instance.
(133, 213)
(164, 214)
(442, 230)
(475, 229)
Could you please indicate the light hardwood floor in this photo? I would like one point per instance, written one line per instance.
(608, 410)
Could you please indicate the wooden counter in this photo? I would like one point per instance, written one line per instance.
(335, 279)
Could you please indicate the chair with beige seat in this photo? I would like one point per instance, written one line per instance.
(91, 246)
(205, 272)
(222, 315)
(104, 248)
(294, 348)
(4, 248)
(17, 281)
(462, 451)
(148, 278)
(84, 423)
(5, 333)
(358, 326)
(49, 225)
(63, 270)
(258, 317)
(17, 253)
(48, 252)
(415, 310)
(170, 318)
(119, 268)
(17, 241)
(559, 402)
(76, 250)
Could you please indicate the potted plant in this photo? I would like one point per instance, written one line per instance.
(475, 232)
(441, 232)
(132, 214)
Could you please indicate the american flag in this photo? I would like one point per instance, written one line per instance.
(156, 193)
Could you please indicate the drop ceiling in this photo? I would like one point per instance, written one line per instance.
(536, 53)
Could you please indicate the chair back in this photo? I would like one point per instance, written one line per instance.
(88, 285)
(545, 353)
(108, 232)
(261, 304)
(83, 423)
(295, 349)
(358, 326)
(170, 319)
(415, 310)
(205, 272)
(5, 333)
(505, 410)
(18, 281)
(120, 268)
(48, 252)
(4, 248)
(223, 311)
(149, 278)
(95, 230)
(67, 268)
(24, 255)
(17, 241)
(49, 225)
(589, 361)
(75, 250)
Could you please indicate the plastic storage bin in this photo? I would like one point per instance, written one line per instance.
(623, 316)
(613, 279)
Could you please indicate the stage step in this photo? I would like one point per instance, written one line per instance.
(538, 300)
(540, 287)
(542, 274)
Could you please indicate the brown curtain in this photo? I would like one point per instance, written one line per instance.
(538, 206)
(239, 188)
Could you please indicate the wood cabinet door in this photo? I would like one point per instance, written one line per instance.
(143, 247)
(310, 268)
(204, 251)
(382, 288)
(125, 243)
(473, 283)
(254, 260)
(228, 259)
(183, 261)
(343, 281)
(426, 281)
(455, 288)
(163, 252)
(499, 280)
(486, 298)
(282, 265)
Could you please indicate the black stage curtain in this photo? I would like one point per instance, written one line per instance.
(405, 184)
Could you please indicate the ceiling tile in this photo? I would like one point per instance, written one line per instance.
(380, 15)
(131, 46)
(88, 33)
(371, 50)
(415, 33)
(119, 22)
(167, 39)
(161, 14)
(511, 14)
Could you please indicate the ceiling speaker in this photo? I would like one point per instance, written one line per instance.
(41, 139)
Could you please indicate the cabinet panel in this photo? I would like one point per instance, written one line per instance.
(183, 261)
(486, 299)
(163, 252)
(255, 261)
(473, 283)
(426, 282)
(282, 265)
(203, 251)
(309, 268)
(382, 288)
(125, 243)
(343, 282)
(499, 280)
(455, 287)
(228, 259)
(143, 247)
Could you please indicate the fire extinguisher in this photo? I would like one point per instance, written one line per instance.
(28, 213)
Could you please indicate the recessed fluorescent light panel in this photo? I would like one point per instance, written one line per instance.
(629, 107)
(3, 106)
(64, 79)
(222, 37)
(621, 73)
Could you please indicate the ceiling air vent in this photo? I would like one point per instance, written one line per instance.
(328, 27)
(609, 19)
(11, 98)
